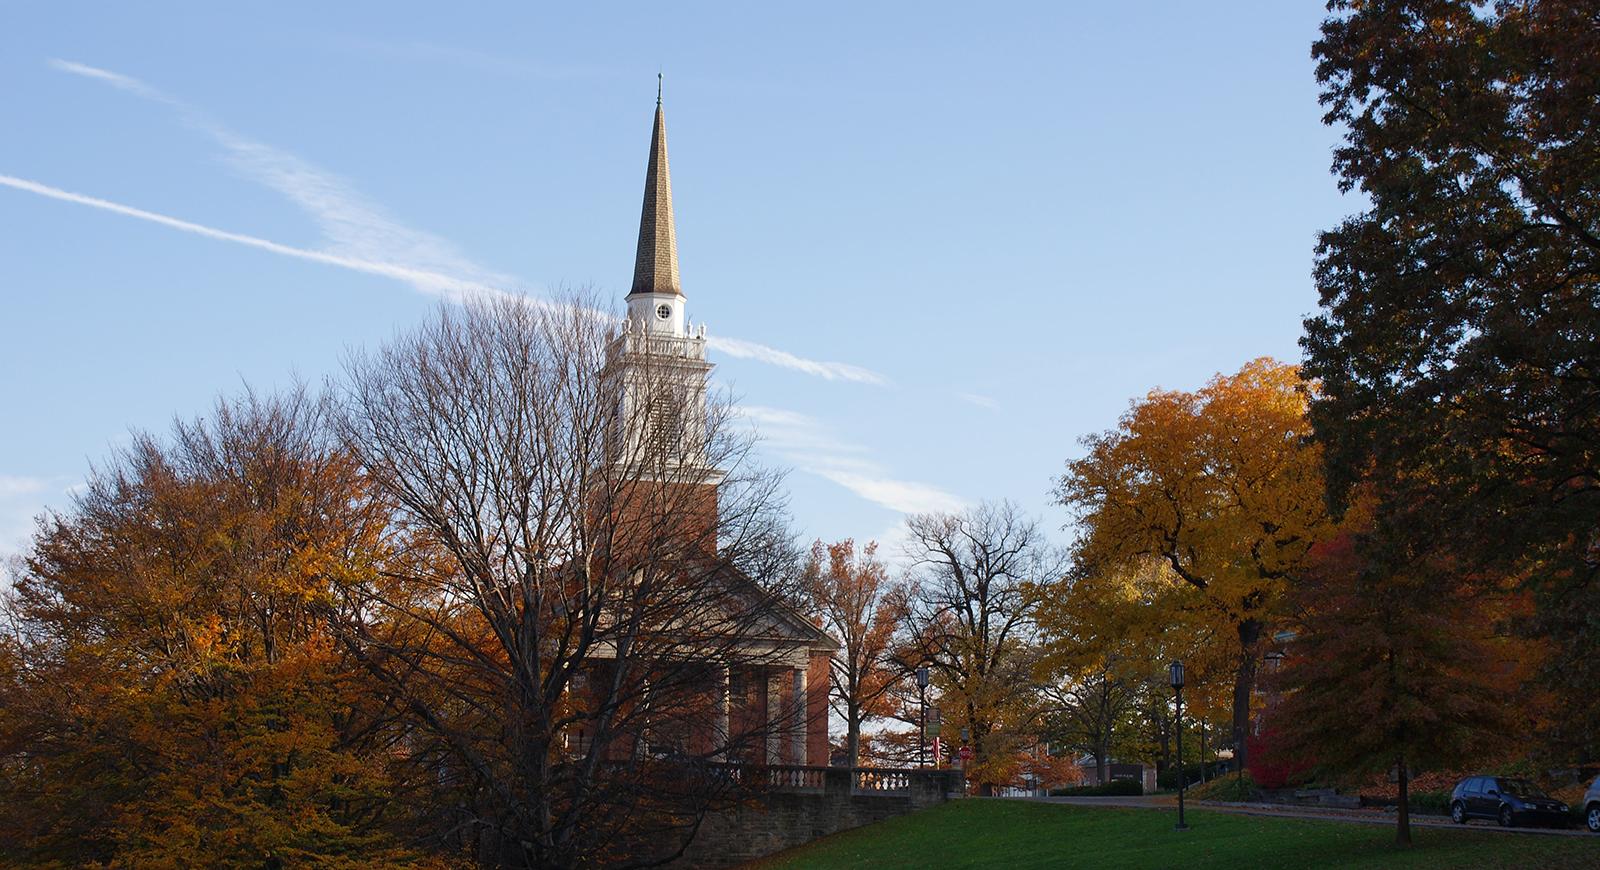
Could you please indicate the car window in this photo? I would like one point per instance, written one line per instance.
(1521, 788)
(1475, 785)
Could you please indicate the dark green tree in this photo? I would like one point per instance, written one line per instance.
(1458, 345)
(1393, 667)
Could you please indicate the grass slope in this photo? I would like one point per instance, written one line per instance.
(1011, 834)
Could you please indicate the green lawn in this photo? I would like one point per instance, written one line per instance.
(996, 833)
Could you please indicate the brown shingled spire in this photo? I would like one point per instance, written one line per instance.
(655, 268)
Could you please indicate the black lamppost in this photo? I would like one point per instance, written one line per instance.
(922, 741)
(1176, 673)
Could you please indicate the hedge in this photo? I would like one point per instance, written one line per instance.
(1114, 788)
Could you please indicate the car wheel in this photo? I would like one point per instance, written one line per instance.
(1505, 817)
(1458, 813)
(1592, 818)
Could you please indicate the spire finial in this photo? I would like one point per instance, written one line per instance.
(658, 90)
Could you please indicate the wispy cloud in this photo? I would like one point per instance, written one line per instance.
(22, 498)
(985, 402)
(12, 486)
(118, 80)
(362, 237)
(812, 448)
(833, 371)
(355, 227)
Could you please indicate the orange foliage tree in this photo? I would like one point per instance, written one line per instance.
(852, 595)
(169, 687)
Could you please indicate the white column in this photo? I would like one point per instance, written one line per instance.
(719, 728)
(798, 738)
(775, 727)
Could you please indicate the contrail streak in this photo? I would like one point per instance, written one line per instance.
(445, 285)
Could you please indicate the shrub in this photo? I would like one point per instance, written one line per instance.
(1272, 764)
(1431, 803)
(1228, 788)
(1114, 788)
(1169, 778)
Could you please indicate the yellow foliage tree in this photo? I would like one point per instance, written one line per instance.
(1105, 639)
(1223, 486)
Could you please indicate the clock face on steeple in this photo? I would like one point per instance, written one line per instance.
(663, 311)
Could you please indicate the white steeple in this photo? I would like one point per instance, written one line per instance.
(663, 361)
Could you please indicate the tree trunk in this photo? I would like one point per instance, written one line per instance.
(1243, 684)
(1202, 751)
(1402, 819)
(852, 740)
(1100, 754)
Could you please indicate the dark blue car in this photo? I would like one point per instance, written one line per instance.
(1507, 800)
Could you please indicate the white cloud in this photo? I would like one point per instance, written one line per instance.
(981, 401)
(13, 486)
(808, 444)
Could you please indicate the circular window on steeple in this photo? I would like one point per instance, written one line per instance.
(664, 311)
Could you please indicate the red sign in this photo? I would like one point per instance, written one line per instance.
(966, 754)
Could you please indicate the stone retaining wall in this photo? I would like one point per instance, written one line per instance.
(784, 818)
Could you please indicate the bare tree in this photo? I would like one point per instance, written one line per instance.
(858, 604)
(583, 616)
(968, 617)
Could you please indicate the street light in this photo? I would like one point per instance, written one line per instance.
(1175, 671)
(922, 742)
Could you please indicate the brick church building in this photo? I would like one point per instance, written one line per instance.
(788, 689)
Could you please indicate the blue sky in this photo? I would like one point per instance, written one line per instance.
(977, 234)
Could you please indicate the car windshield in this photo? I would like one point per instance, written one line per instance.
(1520, 788)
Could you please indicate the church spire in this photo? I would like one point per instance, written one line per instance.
(655, 267)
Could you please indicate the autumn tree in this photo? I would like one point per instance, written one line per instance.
(1222, 485)
(968, 617)
(852, 594)
(1395, 665)
(586, 595)
(1455, 343)
(169, 687)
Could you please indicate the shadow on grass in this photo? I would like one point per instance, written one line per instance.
(991, 833)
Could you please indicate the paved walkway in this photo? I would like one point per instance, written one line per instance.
(1169, 803)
